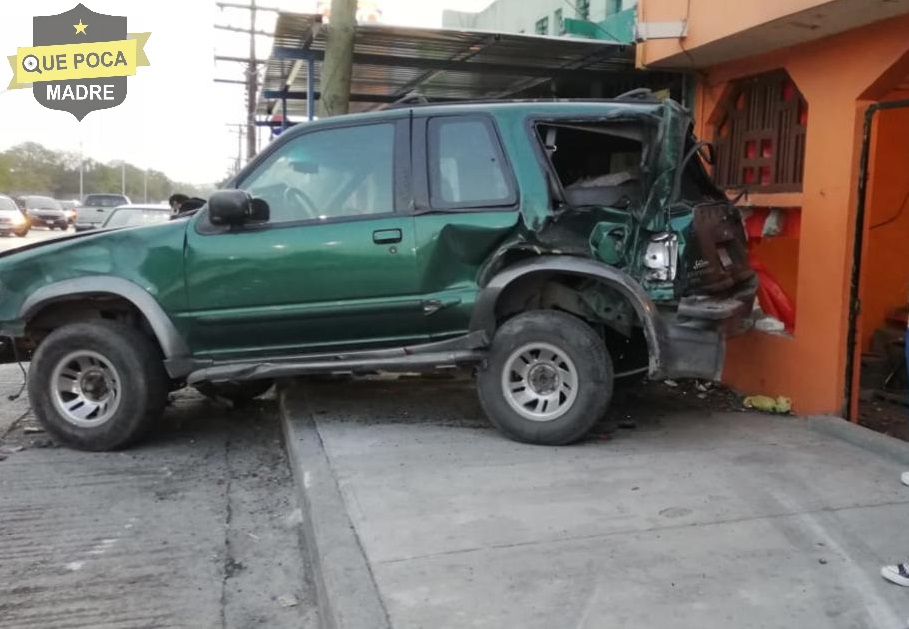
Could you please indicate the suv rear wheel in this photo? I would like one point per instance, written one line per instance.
(548, 378)
(96, 386)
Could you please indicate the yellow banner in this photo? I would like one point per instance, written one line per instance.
(90, 60)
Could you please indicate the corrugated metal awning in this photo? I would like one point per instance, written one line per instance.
(391, 62)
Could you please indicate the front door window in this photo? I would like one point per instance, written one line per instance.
(330, 174)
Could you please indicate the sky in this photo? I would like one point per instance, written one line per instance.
(175, 118)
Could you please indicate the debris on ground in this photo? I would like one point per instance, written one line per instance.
(11, 449)
(32, 429)
(640, 404)
(671, 383)
(780, 405)
(288, 600)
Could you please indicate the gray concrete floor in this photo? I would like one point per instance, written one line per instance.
(692, 519)
(197, 527)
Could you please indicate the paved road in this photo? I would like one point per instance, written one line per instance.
(198, 527)
(34, 235)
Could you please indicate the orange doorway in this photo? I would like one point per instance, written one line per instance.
(877, 391)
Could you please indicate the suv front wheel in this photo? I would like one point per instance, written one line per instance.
(96, 385)
(548, 378)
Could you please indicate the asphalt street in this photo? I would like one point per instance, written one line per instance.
(196, 527)
(34, 235)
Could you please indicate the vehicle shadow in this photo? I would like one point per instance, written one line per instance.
(189, 416)
(451, 400)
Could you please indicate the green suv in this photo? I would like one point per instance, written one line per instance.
(551, 246)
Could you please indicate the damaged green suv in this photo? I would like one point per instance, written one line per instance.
(553, 246)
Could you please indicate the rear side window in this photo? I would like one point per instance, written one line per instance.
(466, 165)
(7, 205)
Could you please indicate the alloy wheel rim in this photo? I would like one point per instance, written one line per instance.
(85, 389)
(540, 382)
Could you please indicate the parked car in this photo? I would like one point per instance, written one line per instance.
(45, 212)
(95, 208)
(12, 220)
(136, 216)
(69, 206)
(552, 247)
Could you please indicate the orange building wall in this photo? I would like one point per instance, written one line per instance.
(885, 266)
(834, 75)
(710, 20)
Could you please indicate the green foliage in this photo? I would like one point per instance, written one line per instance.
(30, 168)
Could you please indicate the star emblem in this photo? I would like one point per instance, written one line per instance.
(80, 27)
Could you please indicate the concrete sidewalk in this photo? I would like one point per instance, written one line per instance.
(691, 520)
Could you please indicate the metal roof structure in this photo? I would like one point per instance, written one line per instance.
(392, 62)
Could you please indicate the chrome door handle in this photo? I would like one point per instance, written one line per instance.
(387, 236)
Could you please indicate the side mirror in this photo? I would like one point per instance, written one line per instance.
(234, 207)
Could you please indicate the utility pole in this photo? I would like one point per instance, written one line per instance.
(81, 171)
(123, 178)
(251, 80)
(338, 63)
(252, 88)
(238, 129)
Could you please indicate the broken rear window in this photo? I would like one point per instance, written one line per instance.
(597, 163)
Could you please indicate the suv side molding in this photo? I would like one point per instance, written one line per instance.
(176, 352)
(484, 313)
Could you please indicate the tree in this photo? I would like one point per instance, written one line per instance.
(30, 168)
(338, 64)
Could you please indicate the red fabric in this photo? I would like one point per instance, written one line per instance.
(772, 297)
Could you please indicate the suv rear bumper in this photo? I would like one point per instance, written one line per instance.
(694, 334)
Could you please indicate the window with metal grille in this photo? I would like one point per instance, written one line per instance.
(583, 7)
(542, 26)
(613, 6)
(559, 22)
(759, 135)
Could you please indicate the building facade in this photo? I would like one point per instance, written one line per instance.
(802, 101)
(598, 19)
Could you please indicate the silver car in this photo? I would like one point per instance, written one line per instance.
(95, 208)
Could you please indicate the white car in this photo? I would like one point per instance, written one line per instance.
(12, 220)
(136, 216)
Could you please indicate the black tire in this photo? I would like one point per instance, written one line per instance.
(239, 393)
(138, 364)
(593, 370)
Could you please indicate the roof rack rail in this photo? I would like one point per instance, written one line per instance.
(640, 93)
(643, 96)
(412, 98)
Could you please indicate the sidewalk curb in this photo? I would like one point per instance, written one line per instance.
(345, 589)
(865, 438)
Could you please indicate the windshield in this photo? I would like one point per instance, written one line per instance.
(132, 217)
(105, 200)
(42, 203)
